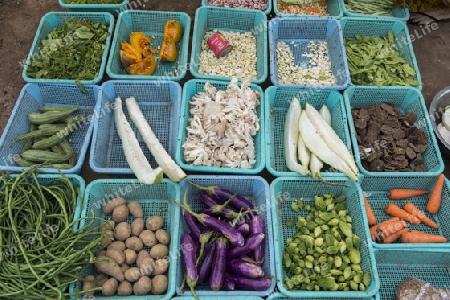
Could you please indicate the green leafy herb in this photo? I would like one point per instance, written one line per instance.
(72, 51)
(374, 60)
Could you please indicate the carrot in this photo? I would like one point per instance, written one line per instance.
(372, 220)
(416, 236)
(412, 209)
(395, 211)
(373, 229)
(390, 228)
(398, 194)
(393, 237)
(434, 201)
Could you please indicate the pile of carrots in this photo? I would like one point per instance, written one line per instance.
(396, 227)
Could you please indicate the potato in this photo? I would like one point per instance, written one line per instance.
(162, 236)
(125, 289)
(109, 225)
(101, 253)
(122, 231)
(100, 279)
(141, 255)
(143, 286)
(148, 238)
(159, 284)
(110, 268)
(161, 266)
(124, 267)
(154, 223)
(120, 213)
(109, 288)
(118, 245)
(88, 284)
(134, 243)
(159, 251)
(107, 238)
(116, 255)
(111, 205)
(130, 256)
(132, 274)
(137, 226)
(147, 266)
(135, 209)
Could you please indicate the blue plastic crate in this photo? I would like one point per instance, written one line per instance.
(114, 9)
(407, 99)
(230, 19)
(378, 187)
(195, 86)
(333, 8)
(266, 11)
(254, 188)
(398, 13)
(297, 32)
(159, 102)
(31, 98)
(53, 20)
(151, 23)
(373, 27)
(395, 266)
(280, 296)
(155, 199)
(283, 191)
(277, 101)
(218, 298)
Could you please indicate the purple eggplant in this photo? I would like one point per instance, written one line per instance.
(219, 266)
(207, 200)
(260, 284)
(225, 229)
(256, 227)
(205, 237)
(204, 269)
(193, 224)
(223, 195)
(251, 244)
(246, 269)
(190, 259)
(244, 229)
(228, 283)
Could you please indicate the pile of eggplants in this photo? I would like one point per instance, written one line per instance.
(225, 244)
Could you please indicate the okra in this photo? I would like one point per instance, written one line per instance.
(29, 142)
(49, 116)
(43, 156)
(44, 132)
(68, 150)
(46, 108)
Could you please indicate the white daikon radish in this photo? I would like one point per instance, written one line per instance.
(316, 164)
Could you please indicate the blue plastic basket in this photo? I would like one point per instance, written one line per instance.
(407, 99)
(378, 187)
(297, 32)
(151, 23)
(283, 191)
(266, 11)
(155, 199)
(250, 187)
(394, 266)
(195, 86)
(277, 102)
(398, 13)
(333, 8)
(31, 98)
(280, 296)
(373, 27)
(159, 102)
(114, 9)
(53, 20)
(218, 298)
(230, 19)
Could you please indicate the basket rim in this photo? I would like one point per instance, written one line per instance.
(195, 53)
(429, 131)
(184, 46)
(63, 3)
(92, 162)
(184, 119)
(318, 294)
(34, 46)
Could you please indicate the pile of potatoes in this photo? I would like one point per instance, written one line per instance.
(124, 265)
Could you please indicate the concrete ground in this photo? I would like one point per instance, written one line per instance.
(19, 20)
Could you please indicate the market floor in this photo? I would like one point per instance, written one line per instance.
(19, 20)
